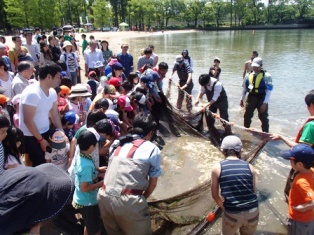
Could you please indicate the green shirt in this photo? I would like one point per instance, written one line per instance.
(308, 133)
(84, 45)
(67, 38)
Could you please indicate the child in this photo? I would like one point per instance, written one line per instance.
(13, 148)
(84, 43)
(86, 185)
(92, 76)
(63, 101)
(67, 122)
(301, 196)
(71, 61)
(4, 125)
(58, 151)
(16, 103)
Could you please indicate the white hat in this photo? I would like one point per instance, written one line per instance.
(2, 45)
(66, 43)
(179, 58)
(257, 62)
(231, 142)
(79, 90)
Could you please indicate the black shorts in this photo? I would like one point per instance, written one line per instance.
(91, 217)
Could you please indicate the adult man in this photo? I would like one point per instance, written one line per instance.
(33, 50)
(6, 59)
(131, 177)
(214, 71)
(145, 59)
(25, 71)
(216, 96)
(248, 64)
(55, 51)
(17, 52)
(259, 86)
(162, 71)
(236, 179)
(126, 59)
(38, 103)
(185, 82)
(91, 56)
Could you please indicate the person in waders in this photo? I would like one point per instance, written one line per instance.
(216, 96)
(185, 82)
(304, 136)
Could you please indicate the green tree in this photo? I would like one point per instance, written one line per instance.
(303, 7)
(102, 14)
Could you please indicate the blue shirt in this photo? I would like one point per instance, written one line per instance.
(127, 62)
(85, 171)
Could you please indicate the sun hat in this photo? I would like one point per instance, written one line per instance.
(2, 45)
(117, 66)
(16, 99)
(57, 139)
(70, 117)
(66, 43)
(231, 142)
(125, 103)
(257, 62)
(116, 82)
(65, 90)
(179, 58)
(4, 99)
(112, 61)
(29, 195)
(98, 64)
(79, 90)
(300, 152)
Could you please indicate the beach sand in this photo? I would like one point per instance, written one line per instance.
(115, 40)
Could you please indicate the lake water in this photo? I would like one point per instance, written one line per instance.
(288, 55)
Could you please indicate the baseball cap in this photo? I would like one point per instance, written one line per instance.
(140, 98)
(98, 64)
(257, 62)
(300, 152)
(70, 117)
(231, 142)
(115, 81)
(148, 80)
(124, 102)
(3, 99)
(112, 61)
(65, 90)
(111, 90)
(92, 74)
(2, 45)
(179, 58)
(117, 66)
(57, 139)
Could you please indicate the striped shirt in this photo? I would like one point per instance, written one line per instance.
(236, 183)
(1, 158)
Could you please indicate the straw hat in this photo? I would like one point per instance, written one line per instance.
(79, 90)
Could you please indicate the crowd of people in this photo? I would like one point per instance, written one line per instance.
(100, 131)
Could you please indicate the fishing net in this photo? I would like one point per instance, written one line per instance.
(189, 151)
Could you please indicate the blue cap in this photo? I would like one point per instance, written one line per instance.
(117, 66)
(70, 117)
(63, 73)
(300, 152)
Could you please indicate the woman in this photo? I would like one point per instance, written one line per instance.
(117, 71)
(106, 53)
(45, 54)
(6, 78)
(68, 57)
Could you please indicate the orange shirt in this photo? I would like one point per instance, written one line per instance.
(302, 192)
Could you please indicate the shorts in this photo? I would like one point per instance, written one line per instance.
(91, 217)
(245, 221)
(298, 228)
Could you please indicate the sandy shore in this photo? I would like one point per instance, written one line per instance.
(115, 39)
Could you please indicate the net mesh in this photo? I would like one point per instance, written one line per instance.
(180, 213)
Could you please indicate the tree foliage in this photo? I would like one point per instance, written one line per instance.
(155, 13)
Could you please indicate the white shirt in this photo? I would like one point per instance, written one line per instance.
(33, 95)
(217, 89)
(92, 57)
